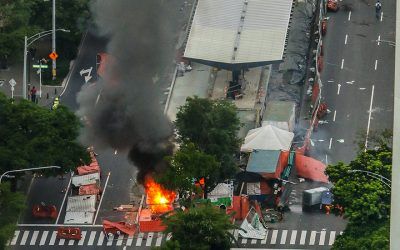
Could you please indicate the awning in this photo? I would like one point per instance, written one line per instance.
(267, 138)
(80, 180)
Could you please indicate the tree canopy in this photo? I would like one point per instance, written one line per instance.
(188, 166)
(200, 228)
(212, 126)
(33, 136)
(366, 200)
(11, 204)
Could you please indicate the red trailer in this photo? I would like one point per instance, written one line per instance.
(44, 211)
(118, 228)
(69, 233)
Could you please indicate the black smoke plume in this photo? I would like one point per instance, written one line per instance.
(127, 115)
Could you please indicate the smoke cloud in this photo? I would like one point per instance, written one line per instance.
(127, 114)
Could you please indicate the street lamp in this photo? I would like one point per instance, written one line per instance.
(379, 177)
(5, 174)
(28, 42)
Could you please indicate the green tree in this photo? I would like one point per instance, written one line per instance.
(34, 136)
(364, 199)
(11, 204)
(366, 237)
(201, 228)
(212, 126)
(187, 166)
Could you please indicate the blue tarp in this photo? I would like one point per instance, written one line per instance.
(263, 161)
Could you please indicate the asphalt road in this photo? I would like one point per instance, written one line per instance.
(122, 172)
(358, 78)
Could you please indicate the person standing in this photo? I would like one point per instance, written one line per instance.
(33, 94)
(378, 7)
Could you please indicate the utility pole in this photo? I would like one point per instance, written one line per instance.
(54, 73)
(24, 75)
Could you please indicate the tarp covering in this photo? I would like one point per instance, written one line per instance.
(89, 169)
(268, 163)
(280, 114)
(221, 190)
(252, 227)
(121, 226)
(310, 168)
(267, 138)
(89, 189)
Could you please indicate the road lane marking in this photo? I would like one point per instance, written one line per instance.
(159, 239)
(283, 237)
(369, 117)
(71, 242)
(101, 239)
(330, 143)
(97, 100)
(334, 116)
(274, 236)
(43, 239)
(82, 240)
(326, 159)
(253, 241)
(15, 238)
(24, 238)
(379, 39)
(120, 239)
(338, 88)
(322, 238)
(341, 67)
(349, 16)
(312, 237)
(34, 237)
(303, 237)
(332, 236)
(376, 63)
(110, 239)
(53, 238)
(381, 16)
(264, 241)
(331, 81)
(345, 39)
(139, 240)
(65, 197)
(129, 241)
(61, 242)
(293, 237)
(91, 238)
(101, 199)
(244, 241)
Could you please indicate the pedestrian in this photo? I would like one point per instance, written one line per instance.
(378, 7)
(33, 94)
(55, 103)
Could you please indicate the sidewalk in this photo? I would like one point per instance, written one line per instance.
(16, 72)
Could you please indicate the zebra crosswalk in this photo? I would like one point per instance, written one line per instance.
(292, 237)
(96, 237)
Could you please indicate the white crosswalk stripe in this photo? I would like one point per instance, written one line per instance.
(15, 238)
(24, 238)
(34, 238)
(96, 236)
(293, 237)
(44, 237)
(91, 238)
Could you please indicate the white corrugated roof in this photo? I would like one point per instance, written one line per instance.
(79, 180)
(81, 203)
(216, 24)
(79, 217)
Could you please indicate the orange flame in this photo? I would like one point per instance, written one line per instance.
(158, 198)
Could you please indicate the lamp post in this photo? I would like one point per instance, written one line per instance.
(53, 44)
(376, 176)
(5, 174)
(28, 42)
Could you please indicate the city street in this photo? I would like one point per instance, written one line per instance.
(357, 78)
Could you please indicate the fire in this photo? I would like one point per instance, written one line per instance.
(158, 198)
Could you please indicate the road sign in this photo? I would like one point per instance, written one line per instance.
(38, 66)
(12, 82)
(53, 55)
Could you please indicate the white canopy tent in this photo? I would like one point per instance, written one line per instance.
(267, 138)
